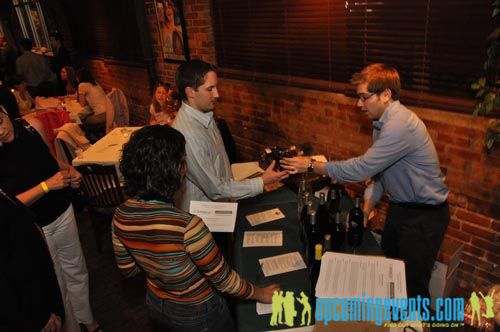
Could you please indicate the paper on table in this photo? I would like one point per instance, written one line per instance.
(218, 216)
(263, 309)
(265, 216)
(263, 239)
(243, 171)
(343, 275)
(282, 263)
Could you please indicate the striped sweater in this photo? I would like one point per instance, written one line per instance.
(176, 251)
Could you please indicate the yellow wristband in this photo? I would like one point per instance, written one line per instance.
(44, 186)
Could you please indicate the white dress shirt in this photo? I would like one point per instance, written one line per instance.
(209, 176)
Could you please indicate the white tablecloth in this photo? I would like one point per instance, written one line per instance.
(107, 150)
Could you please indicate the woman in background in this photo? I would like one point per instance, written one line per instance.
(68, 75)
(23, 98)
(92, 96)
(160, 110)
(184, 267)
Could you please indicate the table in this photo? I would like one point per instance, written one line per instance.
(246, 259)
(107, 150)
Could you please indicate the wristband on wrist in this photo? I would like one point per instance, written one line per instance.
(44, 186)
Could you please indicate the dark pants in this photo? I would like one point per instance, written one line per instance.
(415, 235)
(210, 316)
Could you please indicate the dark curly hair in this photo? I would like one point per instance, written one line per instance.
(151, 163)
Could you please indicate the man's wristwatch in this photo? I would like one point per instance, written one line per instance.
(310, 168)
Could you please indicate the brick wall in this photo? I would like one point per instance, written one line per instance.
(260, 114)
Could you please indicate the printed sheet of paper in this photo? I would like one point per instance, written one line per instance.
(263, 309)
(243, 171)
(344, 275)
(263, 239)
(218, 216)
(265, 216)
(282, 263)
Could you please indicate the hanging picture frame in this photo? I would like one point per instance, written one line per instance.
(172, 30)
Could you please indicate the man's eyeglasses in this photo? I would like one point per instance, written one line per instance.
(365, 97)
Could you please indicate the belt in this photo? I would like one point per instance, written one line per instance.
(419, 206)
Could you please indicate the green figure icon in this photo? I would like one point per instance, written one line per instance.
(476, 308)
(277, 308)
(488, 299)
(304, 300)
(289, 308)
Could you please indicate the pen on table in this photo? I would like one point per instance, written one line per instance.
(112, 144)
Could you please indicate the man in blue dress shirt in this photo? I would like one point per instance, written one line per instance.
(403, 162)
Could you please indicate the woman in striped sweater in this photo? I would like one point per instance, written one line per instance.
(185, 270)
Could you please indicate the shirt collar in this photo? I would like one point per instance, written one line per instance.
(377, 124)
(204, 118)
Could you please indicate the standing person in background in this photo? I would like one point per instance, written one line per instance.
(402, 162)
(60, 59)
(161, 111)
(36, 70)
(209, 176)
(92, 96)
(28, 283)
(7, 60)
(185, 271)
(37, 179)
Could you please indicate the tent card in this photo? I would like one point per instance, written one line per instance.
(282, 263)
(263, 239)
(265, 216)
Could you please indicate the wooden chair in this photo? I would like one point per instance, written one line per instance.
(102, 194)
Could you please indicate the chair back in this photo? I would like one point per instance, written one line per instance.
(101, 186)
(119, 101)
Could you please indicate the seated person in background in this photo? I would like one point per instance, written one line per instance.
(28, 283)
(8, 100)
(23, 98)
(36, 71)
(60, 59)
(160, 110)
(68, 75)
(92, 96)
(184, 268)
(209, 176)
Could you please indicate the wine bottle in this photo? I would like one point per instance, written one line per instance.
(304, 221)
(338, 233)
(327, 243)
(322, 214)
(300, 196)
(313, 236)
(356, 227)
(315, 268)
(333, 204)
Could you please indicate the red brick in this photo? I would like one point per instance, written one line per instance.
(490, 246)
(473, 218)
(458, 234)
(478, 231)
(462, 153)
(473, 250)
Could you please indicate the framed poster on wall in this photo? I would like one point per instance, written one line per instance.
(172, 30)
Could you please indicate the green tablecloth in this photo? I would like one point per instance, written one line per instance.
(246, 259)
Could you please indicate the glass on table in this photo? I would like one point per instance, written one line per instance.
(125, 132)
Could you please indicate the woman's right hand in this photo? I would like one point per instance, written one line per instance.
(60, 180)
(265, 294)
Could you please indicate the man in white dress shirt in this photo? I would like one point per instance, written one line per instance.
(209, 176)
